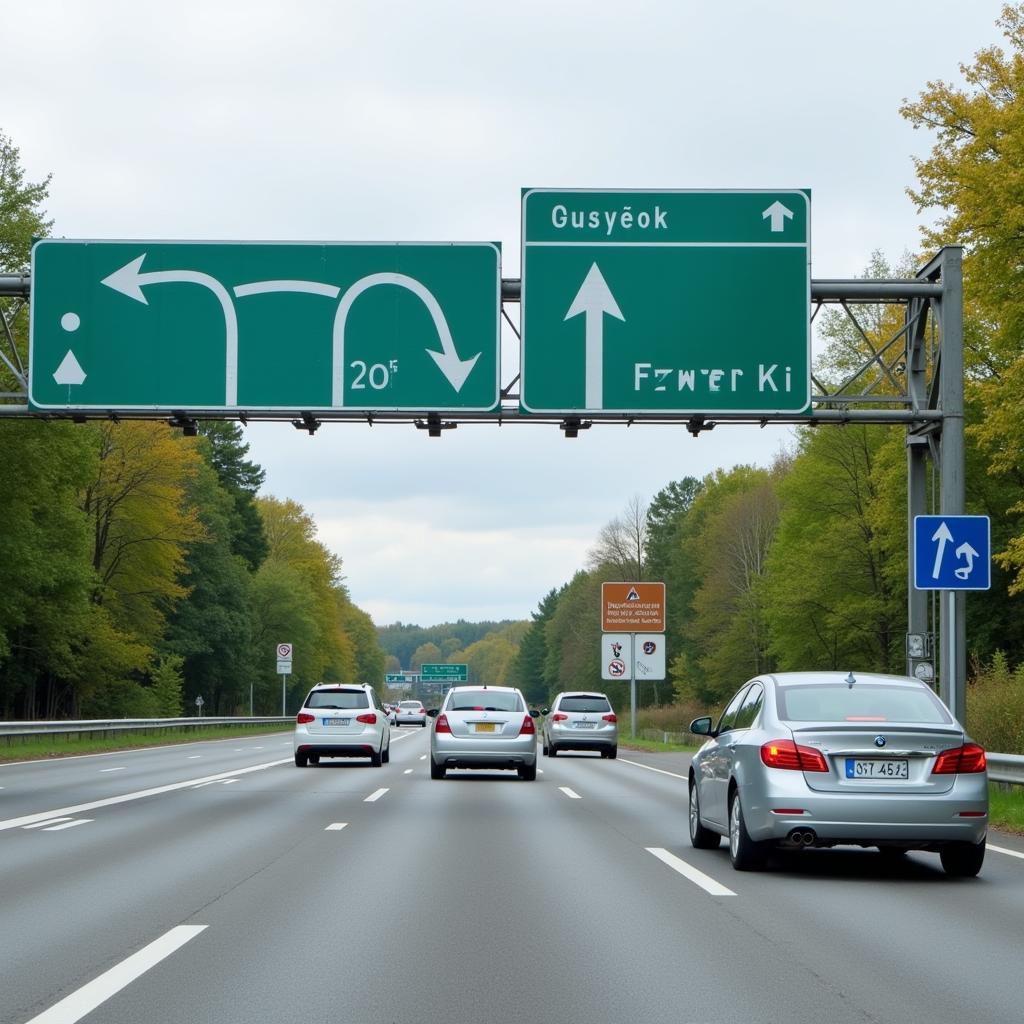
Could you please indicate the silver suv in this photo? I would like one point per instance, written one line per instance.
(342, 720)
(581, 721)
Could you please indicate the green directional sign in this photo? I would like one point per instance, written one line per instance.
(264, 326)
(665, 302)
(393, 677)
(448, 673)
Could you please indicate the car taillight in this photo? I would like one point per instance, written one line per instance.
(304, 719)
(527, 728)
(963, 760)
(369, 719)
(441, 724)
(792, 756)
(559, 717)
(609, 718)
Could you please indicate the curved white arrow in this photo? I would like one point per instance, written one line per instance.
(448, 361)
(968, 553)
(130, 279)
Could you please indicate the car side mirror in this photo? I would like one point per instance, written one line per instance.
(545, 711)
(534, 713)
(432, 712)
(701, 727)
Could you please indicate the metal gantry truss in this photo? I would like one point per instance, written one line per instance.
(914, 378)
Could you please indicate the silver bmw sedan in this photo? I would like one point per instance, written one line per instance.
(818, 759)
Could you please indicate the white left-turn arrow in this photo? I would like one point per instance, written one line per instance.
(594, 300)
(130, 279)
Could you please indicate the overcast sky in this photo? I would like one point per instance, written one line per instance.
(414, 121)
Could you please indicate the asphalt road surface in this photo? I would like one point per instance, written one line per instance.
(216, 882)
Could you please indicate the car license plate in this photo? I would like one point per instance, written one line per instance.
(336, 721)
(586, 725)
(876, 768)
(485, 726)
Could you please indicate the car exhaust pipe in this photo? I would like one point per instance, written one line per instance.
(803, 837)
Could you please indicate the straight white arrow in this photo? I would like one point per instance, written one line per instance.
(456, 370)
(944, 537)
(594, 300)
(778, 214)
(130, 279)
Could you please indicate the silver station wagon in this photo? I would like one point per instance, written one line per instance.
(816, 759)
(483, 727)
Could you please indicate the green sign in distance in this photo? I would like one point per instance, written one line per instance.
(264, 326)
(394, 678)
(665, 302)
(456, 673)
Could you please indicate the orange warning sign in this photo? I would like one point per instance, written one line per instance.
(633, 607)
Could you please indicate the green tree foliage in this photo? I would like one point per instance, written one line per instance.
(21, 214)
(369, 657)
(572, 637)
(402, 639)
(426, 654)
(527, 670)
(166, 686)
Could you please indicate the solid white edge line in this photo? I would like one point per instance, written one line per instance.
(45, 821)
(28, 819)
(660, 771)
(336, 826)
(570, 793)
(706, 882)
(121, 768)
(74, 1007)
(1002, 849)
(376, 795)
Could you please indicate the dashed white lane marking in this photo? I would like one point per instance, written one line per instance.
(660, 771)
(571, 794)
(336, 826)
(67, 824)
(47, 821)
(408, 771)
(213, 782)
(192, 757)
(74, 1007)
(706, 882)
(28, 819)
(122, 768)
(423, 757)
(540, 771)
(1002, 849)
(376, 795)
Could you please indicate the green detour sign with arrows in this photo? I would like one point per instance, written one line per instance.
(195, 326)
(665, 302)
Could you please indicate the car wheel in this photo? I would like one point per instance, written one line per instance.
(552, 750)
(423, 724)
(314, 758)
(701, 838)
(375, 759)
(962, 860)
(745, 854)
(437, 771)
(527, 772)
(385, 755)
(544, 749)
(300, 760)
(613, 753)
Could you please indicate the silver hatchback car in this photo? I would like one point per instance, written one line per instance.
(814, 759)
(483, 727)
(581, 721)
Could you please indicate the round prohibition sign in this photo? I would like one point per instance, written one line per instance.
(617, 667)
(284, 650)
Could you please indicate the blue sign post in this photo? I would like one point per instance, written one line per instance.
(952, 553)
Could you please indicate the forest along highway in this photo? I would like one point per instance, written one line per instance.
(212, 881)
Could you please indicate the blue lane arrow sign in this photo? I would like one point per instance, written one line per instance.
(952, 553)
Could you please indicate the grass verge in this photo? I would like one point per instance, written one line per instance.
(33, 750)
(1006, 808)
(639, 743)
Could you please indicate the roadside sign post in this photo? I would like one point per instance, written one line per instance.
(284, 670)
(199, 704)
(952, 553)
(628, 301)
(197, 326)
(639, 608)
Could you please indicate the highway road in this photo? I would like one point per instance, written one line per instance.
(216, 882)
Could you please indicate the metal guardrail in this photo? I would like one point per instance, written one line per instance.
(1006, 768)
(14, 732)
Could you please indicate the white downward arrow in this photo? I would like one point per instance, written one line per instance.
(456, 370)
(968, 553)
(594, 300)
(944, 537)
(778, 214)
(130, 279)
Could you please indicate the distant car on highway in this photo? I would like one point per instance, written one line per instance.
(580, 721)
(483, 727)
(819, 759)
(411, 712)
(339, 720)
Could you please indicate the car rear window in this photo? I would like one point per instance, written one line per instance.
(860, 703)
(485, 700)
(344, 699)
(591, 702)
(411, 704)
